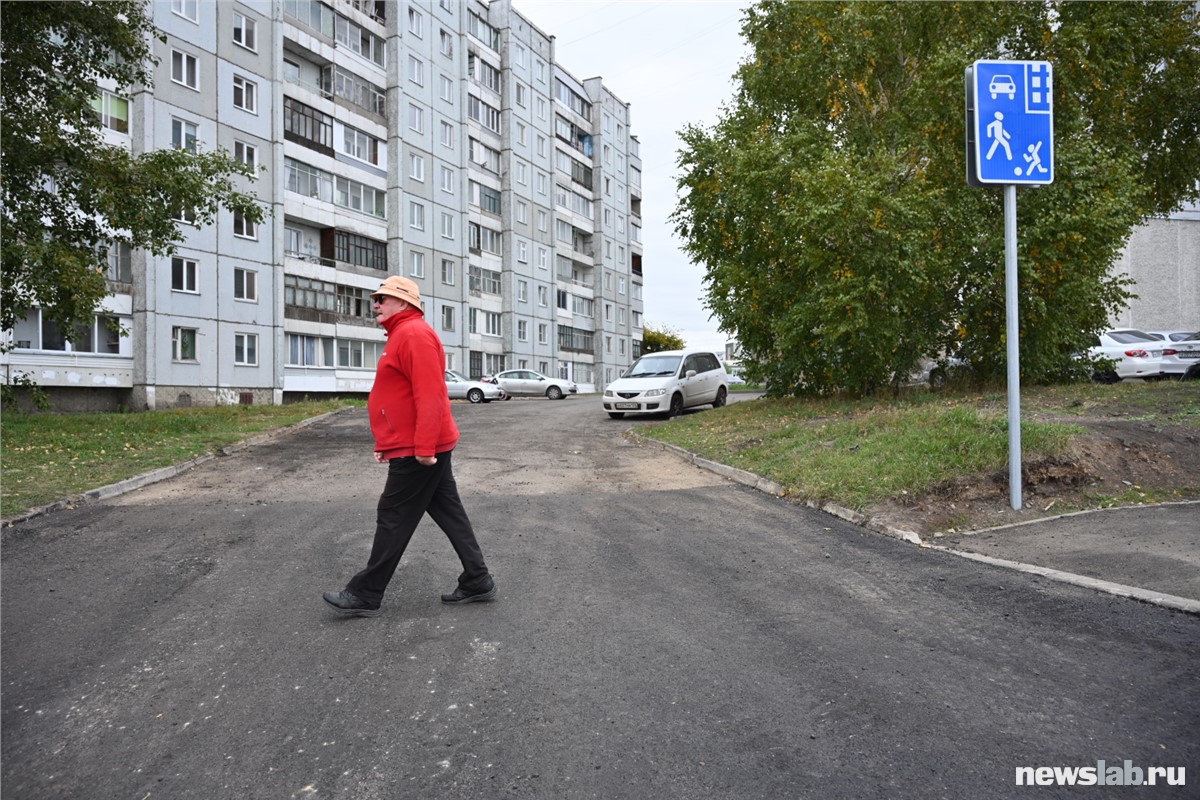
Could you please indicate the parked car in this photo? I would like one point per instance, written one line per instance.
(1134, 353)
(527, 383)
(1181, 350)
(461, 387)
(667, 383)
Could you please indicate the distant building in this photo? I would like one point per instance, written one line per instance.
(1163, 258)
(436, 139)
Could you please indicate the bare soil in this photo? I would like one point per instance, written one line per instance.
(1118, 462)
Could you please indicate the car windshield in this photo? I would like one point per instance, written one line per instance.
(1130, 337)
(652, 366)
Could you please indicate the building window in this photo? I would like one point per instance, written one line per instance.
(358, 250)
(243, 227)
(354, 303)
(113, 111)
(447, 43)
(245, 31)
(309, 351)
(416, 70)
(447, 135)
(416, 263)
(183, 135)
(245, 349)
(245, 285)
(447, 318)
(307, 125)
(185, 69)
(188, 9)
(183, 344)
(522, 330)
(448, 272)
(416, 167)
(416, 23)
(245, 94)
(523, 291)
(523, 252)
(245, 153)
(362, 146)
(184, 273)
(447, 226)
(416, 215)
(447, 181)
(416, 118)
(543, 333)
(483, 280)
(446, 89)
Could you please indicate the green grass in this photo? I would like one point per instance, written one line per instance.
(858, 452)
(47, 457)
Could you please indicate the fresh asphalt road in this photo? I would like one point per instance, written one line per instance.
(661, 633)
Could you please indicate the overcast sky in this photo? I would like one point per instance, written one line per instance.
(673, 61)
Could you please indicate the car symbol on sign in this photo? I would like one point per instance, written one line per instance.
(1002, 84)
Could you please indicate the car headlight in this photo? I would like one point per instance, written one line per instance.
(608, 393)
(655, 392)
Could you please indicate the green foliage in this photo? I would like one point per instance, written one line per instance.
(67, 195)
(829, 203)
(656, 341)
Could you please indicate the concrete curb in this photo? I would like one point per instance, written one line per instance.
(160, 474)
(762, 484)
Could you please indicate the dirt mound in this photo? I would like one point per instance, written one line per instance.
(1111, 464)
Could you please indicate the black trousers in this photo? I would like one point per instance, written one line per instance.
(412, 490)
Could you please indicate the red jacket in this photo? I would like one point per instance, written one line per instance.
(409, 405)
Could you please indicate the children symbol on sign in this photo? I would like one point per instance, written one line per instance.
(999, 137)
(1034, 159)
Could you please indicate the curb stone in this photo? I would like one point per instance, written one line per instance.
(160, 474)
(1184, 604)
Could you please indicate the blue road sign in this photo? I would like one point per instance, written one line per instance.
(1014, 121)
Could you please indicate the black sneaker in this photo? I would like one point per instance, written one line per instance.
(350, 605)
(461, 595)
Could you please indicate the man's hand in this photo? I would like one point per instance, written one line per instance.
(427, 461)
(379, 457)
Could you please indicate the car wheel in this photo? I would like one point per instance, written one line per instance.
(720, 401)
(616, 414)
(1106, 377)
(475, 395)
(676, 408)
(937, 378)
(554, 393)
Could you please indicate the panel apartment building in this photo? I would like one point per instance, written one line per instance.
(436, 139)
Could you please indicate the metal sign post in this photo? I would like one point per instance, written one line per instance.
(1010, 112)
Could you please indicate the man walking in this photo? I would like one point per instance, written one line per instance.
(415, 434)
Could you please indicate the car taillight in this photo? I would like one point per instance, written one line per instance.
(1137, 354)
(1169, 352)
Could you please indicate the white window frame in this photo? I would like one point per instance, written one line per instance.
(180, 130)
(416, 70)
(447, 317)
(180, 8)
(416, 167)
(416, 215)
(178, 335)
(245, 152)
(249, 285)
(446, 88)
(189, 275)
(248, 90)
(189, 69)
(416, 118)
(447, 225)
(447, 179)
(416, 264)
(449, 271)
(244, 228)
(245, 32)
(447, 135)
(248, 344)
(416, 23)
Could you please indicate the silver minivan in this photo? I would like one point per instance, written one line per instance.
(667, 383)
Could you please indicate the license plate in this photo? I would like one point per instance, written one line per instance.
(625, 405)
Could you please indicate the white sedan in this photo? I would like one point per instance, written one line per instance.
(461, 387)
(1135, 354)
(1181, 351)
